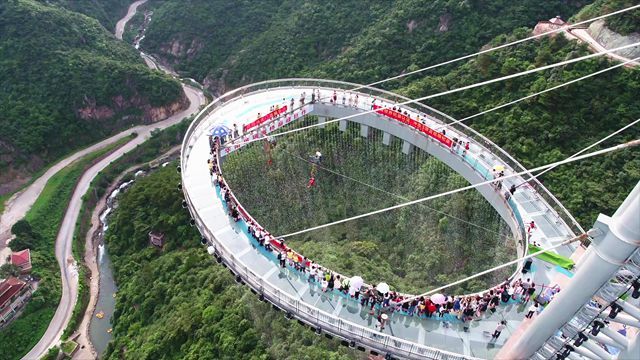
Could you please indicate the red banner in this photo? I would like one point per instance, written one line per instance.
(262, 120)
(414, 124)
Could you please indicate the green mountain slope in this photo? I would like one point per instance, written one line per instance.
(108, 12)
(242, 42)
(67, 82)
(554, 125)
(624, 24)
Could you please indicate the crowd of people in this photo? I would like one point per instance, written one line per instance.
(463, 308)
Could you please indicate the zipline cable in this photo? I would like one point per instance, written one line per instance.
(564, 28)
(467, 87)
(536, 94)
(473, 186)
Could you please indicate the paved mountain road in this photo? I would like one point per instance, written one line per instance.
(18, 206)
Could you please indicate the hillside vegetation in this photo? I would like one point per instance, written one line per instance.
(177, 303)
(66, 82)
(624, 24)
(107, 12)
(227, 44)
(556, 124)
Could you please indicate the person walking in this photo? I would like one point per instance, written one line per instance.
(312, 272)
(382, 320)
(364, 299)
(236, 133)
(532, 310)
(530, 291)
(499, 328)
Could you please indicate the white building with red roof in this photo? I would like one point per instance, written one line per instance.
(14, 293)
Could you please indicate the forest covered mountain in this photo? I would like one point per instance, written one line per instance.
(67, 82)
(227, 44)
(107, 12)
(214, 43)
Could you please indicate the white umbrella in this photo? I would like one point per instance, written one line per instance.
(355, 284)
(383, 288)
(438, 299)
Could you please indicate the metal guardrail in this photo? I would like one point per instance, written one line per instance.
(490, 148)
(314, 316)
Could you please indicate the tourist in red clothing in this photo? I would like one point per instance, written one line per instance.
(312, 182)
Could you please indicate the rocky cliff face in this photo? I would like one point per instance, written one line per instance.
(91, 111)
(610, 39)
(116, 116)
(180, 49)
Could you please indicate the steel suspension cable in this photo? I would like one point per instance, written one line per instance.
(569, 26)
(452, 91)
(395, 195)
(473, 186)
(585, 149)
(536, 94)
(491, 49)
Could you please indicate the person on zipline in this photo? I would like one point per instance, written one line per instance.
(312, 182)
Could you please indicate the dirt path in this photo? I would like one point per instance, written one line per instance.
(584, 36)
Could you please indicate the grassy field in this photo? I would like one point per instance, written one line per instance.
(45, 217)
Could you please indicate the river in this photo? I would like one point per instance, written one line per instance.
(100, 329)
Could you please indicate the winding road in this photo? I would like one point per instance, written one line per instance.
(20, 204)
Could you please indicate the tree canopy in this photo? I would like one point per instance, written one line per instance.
(66, 82)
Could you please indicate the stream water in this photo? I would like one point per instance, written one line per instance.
(100, 329)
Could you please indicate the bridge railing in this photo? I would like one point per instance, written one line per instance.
(490, 152)
(315, 317)
(490, 148)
